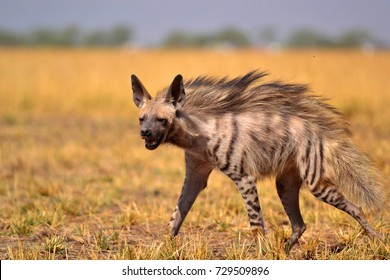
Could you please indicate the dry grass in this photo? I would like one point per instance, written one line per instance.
(76, 182)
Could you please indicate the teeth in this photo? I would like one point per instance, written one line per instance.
(150, 142)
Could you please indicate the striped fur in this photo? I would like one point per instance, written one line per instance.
(250, 130)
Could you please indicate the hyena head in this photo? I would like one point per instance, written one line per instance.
(157, 116)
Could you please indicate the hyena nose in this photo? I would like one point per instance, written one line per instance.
(146, 133)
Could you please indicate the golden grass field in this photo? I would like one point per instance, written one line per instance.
(77, 183)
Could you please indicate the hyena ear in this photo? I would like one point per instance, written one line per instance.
(140, 94)
(176, 94)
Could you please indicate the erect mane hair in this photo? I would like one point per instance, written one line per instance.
(240, 94)
(212, 96)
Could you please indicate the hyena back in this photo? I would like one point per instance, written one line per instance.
(249, 131)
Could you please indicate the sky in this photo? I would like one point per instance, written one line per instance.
(152, 20)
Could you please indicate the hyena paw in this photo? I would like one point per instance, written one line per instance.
(259, 231)
(372, 234)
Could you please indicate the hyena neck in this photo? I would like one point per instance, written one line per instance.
(185, 133)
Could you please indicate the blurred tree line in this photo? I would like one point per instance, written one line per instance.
(229, 37)
(69, 36)
(268, 37)
(309, 38)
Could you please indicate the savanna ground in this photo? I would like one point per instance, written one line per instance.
(77, 183)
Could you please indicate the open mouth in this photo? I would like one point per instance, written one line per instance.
(152, 144)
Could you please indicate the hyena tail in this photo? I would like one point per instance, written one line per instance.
(356, 177)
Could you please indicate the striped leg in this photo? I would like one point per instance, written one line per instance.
(247, 187)
(288, 184)
(327, 192)
(197, 174)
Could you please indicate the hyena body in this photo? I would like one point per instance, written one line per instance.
(249, 131)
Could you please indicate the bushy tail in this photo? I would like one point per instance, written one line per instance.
(356, 177)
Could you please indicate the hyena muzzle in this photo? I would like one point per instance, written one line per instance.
(249, 130)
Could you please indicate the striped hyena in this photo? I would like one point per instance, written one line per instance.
(250, 130)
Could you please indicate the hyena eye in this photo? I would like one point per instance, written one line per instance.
(141, 119)
(162, 121)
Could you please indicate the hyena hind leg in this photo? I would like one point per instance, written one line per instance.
(288, 184)
(327, 192)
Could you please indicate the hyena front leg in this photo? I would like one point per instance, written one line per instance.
(197, 174)
(288, 184)
(247, 187)
(327, 192)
